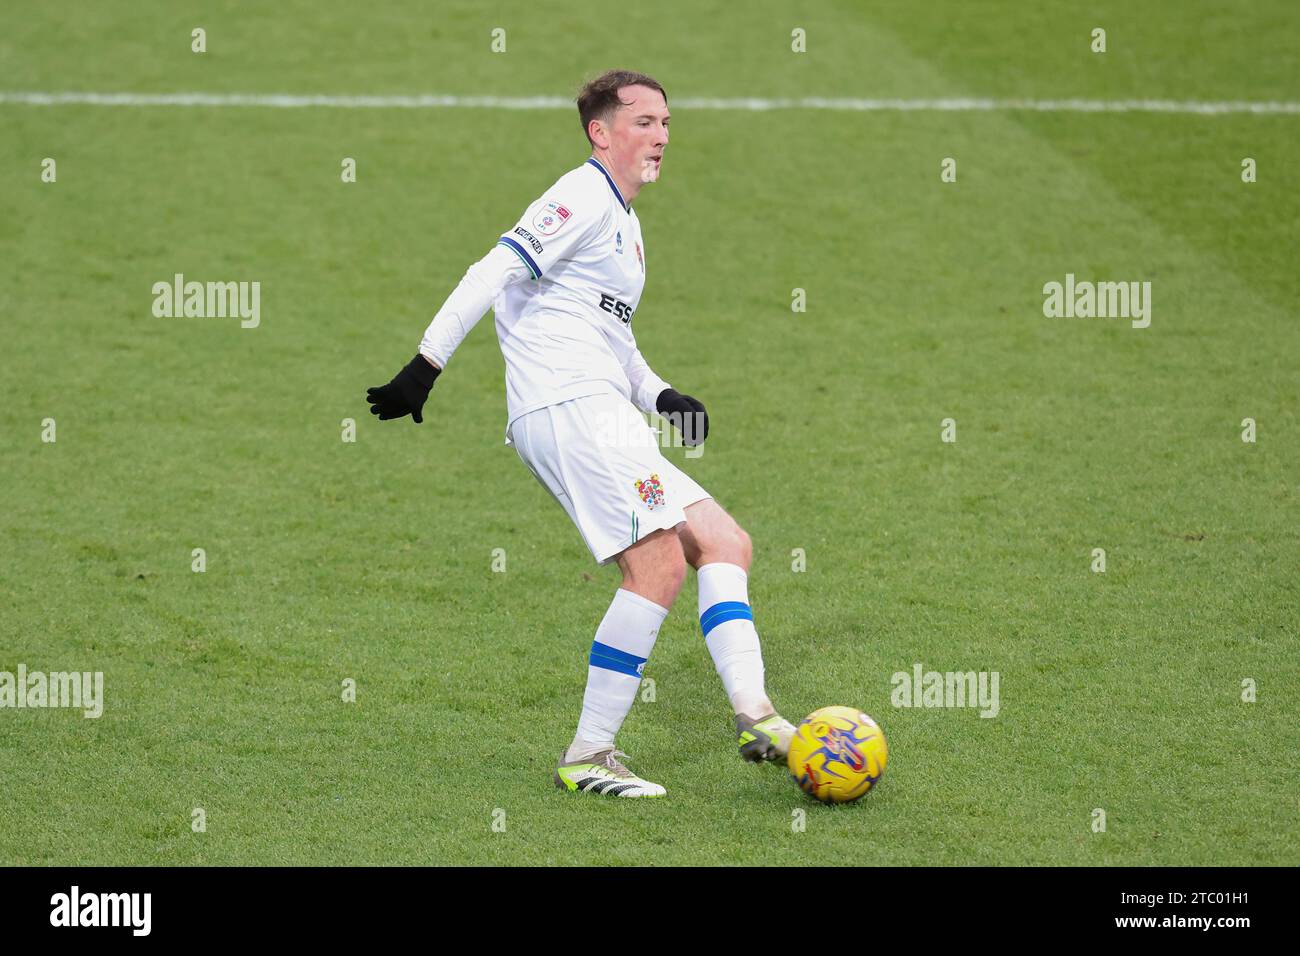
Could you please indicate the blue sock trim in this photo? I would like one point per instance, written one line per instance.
(612, 659)
(722, 612)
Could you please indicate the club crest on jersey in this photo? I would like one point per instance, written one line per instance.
(551, 217)
(618, 243)
(639, 258)
(651, 491)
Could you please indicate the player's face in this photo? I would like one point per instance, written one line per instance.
(639, 134)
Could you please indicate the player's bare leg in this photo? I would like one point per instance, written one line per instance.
(720, 550)
(654, 567)
(653, 571)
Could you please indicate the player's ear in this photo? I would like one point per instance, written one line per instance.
(597, 133)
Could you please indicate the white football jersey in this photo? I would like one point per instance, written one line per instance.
(567, 331)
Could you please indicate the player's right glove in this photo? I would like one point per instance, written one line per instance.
(406, 393)
(686, 414)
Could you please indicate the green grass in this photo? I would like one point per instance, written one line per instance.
(372, 560)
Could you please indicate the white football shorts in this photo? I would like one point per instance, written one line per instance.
(601, 461)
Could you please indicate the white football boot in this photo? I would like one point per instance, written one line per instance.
(602, 773)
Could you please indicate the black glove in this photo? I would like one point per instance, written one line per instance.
(686, 414)
(406, 393)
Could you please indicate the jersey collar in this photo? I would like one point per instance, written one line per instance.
(609, 179)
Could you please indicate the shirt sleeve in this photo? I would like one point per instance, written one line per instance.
(556, 227)
(646, 385)
(478, 289)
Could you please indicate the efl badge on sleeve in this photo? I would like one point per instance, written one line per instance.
(551, 218)
(639, 257)
(651, 492)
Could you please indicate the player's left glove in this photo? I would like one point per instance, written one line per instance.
(406, 393)
(686, 414)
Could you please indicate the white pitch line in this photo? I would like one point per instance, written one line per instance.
(434, 101)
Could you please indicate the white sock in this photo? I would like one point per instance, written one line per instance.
(728, 625)
(622, 646)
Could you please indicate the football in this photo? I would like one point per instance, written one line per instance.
(837, 754)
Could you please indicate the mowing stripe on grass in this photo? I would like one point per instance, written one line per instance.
(436, 101)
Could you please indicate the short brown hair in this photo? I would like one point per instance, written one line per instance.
(599, 99)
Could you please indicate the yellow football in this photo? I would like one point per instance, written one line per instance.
(837, 754)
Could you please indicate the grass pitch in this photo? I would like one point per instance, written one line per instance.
(372, 561)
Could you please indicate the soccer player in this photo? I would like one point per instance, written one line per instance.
(565, 282)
